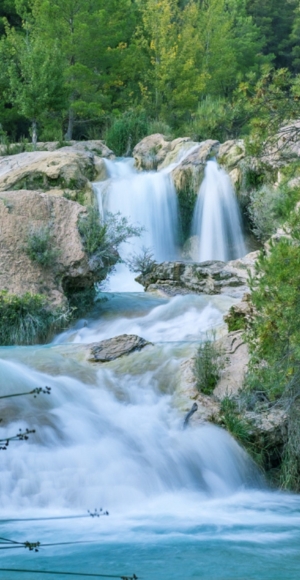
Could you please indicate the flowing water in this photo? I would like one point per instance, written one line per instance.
(216, 220)
(183, 504)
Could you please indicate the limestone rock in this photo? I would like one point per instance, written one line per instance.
(236, 358)
(71, 167)
(189, 173)
(201, 278)
(186, 393)
(238, 314)
(151, 151)
(231, 153)
(113, 348)
(97, 146)
(21, 211)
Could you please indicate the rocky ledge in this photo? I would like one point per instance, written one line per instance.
(213, 277)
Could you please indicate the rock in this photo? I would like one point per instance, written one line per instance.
(238, 314)
(178, 149)
(236, 358)
(151, 151)
(231, 153)
(189, 173)
(269, 430)
(72, 167)
(96, 146)
(113, 348)
(20, 211)
(212, 277)
(186, 392)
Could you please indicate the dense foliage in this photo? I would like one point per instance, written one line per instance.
(92, 68)
(273, 337)
(29, 319)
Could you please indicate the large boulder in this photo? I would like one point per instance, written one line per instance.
(68, 168)
(151, 151)
(155, 152)
(20, 213)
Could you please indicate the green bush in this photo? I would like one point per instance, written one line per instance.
(40, 247)
(143, 262)
(29, 319)
(269, 207)
(160, 127)
(209, 362)
(126, 131)
(102, 239)
(215, 118)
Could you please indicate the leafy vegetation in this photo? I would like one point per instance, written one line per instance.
(273, 338)
(103, 238)
(40, 247)
(143, 262)
(123, 68)
(208, 365)
(29, 319)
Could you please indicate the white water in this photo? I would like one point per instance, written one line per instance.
(216, 220)
(183, 504)
(146, 199)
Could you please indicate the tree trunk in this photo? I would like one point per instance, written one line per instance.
(34, 133)
(69, 133)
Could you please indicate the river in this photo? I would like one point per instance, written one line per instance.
(183, 504)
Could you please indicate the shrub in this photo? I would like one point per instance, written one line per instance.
(240, 428)
(29, 319)
(209, 362)
(143, 262)
(215, 118)
(40, 247)
(160, 127)
(126, 131)
(102, 239)
(269, 207)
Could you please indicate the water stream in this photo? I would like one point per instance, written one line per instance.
(216, 220)
(183, 504)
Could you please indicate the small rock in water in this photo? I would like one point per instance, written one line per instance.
(113, 348)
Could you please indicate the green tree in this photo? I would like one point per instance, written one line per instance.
(35, 78)
(274, 19)
(93, 38)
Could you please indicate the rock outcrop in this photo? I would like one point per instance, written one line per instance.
(68, 171)
(172, 278)
(24, 211)
(113, 348)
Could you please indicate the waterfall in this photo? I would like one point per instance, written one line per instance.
(216, 220)
(147, 199)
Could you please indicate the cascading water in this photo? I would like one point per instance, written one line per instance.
(147, 199)
(216, 220)
(183, 504)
